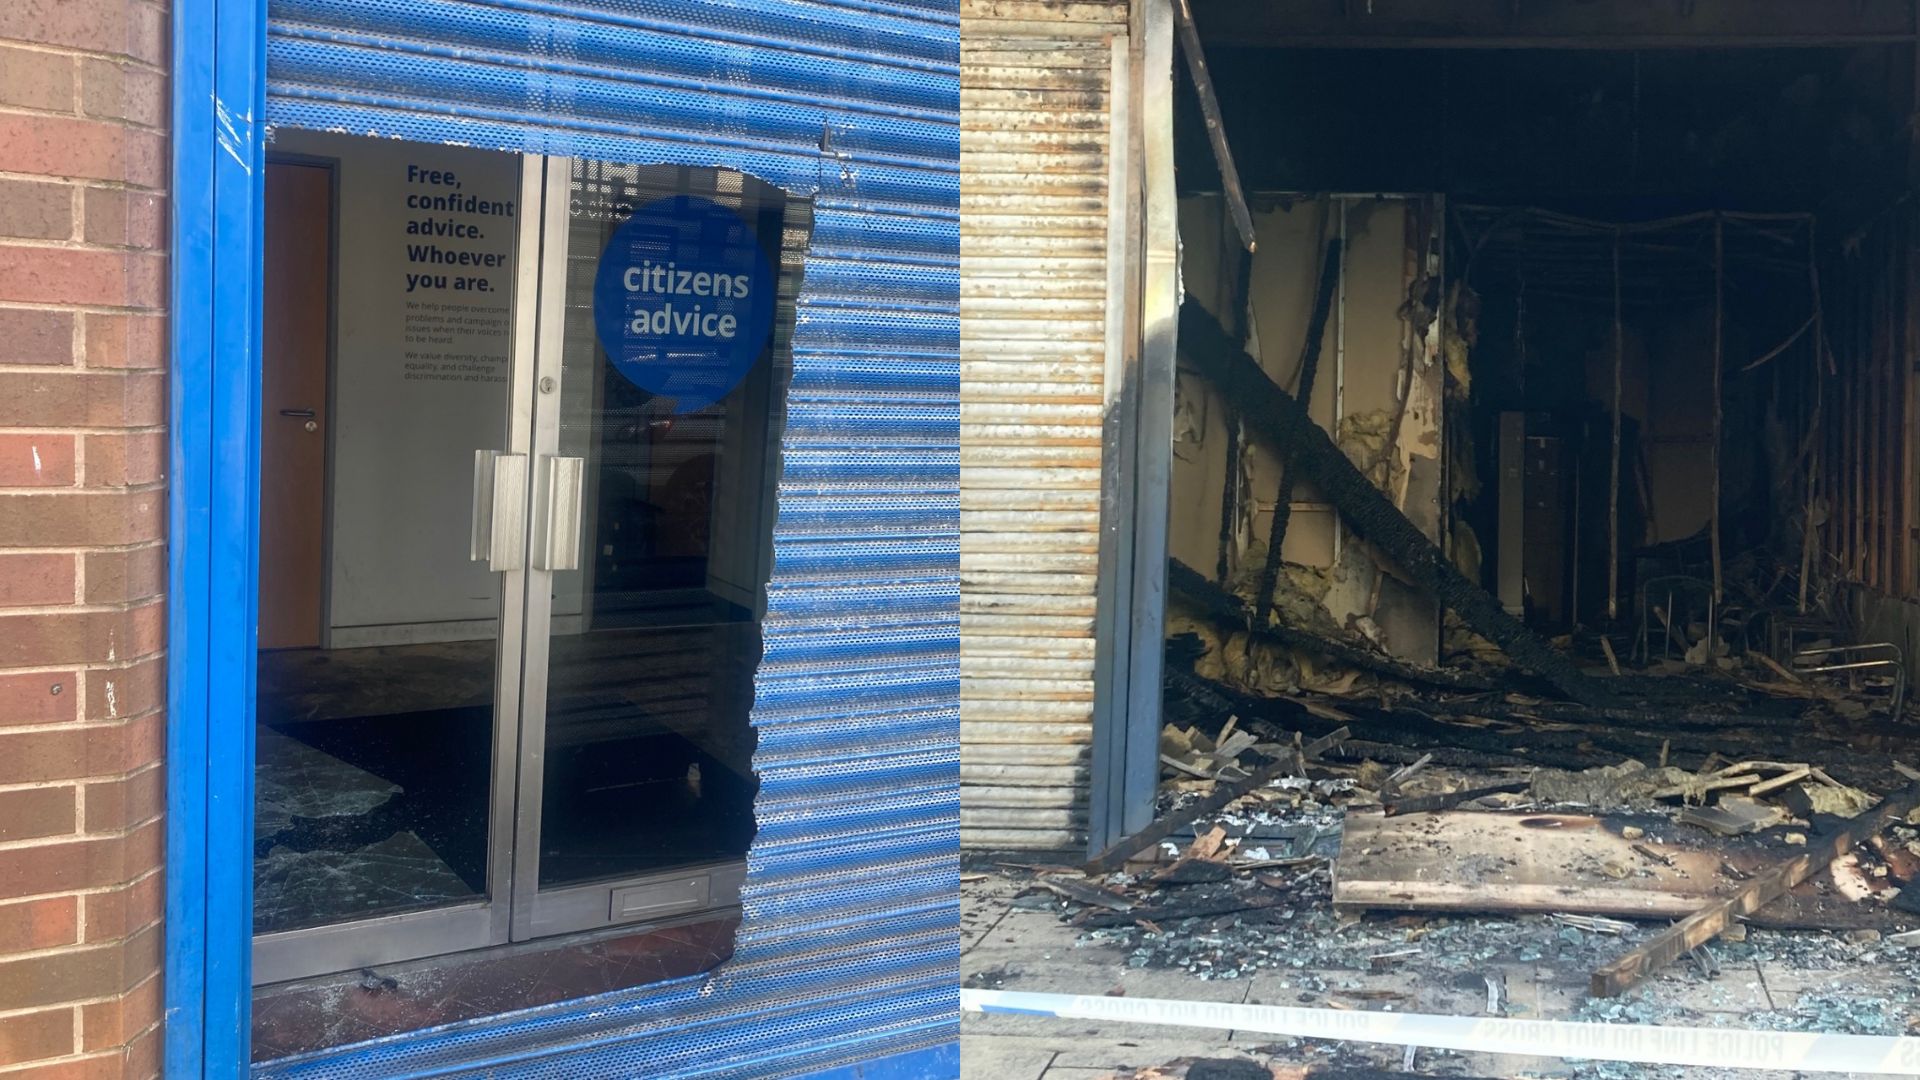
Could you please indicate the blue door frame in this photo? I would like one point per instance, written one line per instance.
(219, 96)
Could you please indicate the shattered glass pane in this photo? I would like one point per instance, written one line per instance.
(398, 873)
(293, 780)
(385, 814)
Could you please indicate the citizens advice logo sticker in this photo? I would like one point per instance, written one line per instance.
(683, 300)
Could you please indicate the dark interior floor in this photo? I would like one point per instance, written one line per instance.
(646, 802)
(648, 767)
(369, 815)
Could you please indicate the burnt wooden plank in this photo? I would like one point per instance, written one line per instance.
(1710, 921)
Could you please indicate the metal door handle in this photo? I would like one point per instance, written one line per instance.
(299, 414)
(499, 510)
(559, 545)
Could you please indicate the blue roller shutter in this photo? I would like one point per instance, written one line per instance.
(849, 946)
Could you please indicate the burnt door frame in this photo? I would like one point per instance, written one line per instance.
(1137, 445)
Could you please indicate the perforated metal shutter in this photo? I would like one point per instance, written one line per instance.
(1036, 122)
(848, 948)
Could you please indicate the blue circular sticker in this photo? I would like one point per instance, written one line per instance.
(683, 300)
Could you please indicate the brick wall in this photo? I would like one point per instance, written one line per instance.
(83, 172)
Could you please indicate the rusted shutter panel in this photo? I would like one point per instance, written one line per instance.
(1035, 140)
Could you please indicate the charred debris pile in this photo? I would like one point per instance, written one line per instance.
(1613, 806)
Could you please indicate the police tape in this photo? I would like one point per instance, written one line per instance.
(1727, 1048)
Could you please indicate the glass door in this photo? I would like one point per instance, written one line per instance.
(396, 427)
(666, 298)
(520, 426)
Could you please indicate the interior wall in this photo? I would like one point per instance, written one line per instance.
(1666, 383)
(1632, 135)
(1285, 271)
(419, 383)
(1678, 425)
(1373, 357)
(1873, 616)
(1547, 286)
(1867, 498)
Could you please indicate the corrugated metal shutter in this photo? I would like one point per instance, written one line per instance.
(848, 946)
(1036, 127)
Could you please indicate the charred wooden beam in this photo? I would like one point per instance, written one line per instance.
(1452, 757)
(1227, 607)
(1613, 475)
(1427, 804)
(1216, 131)
(1277, 417)
(1229, 511)
(1289, 475)
(1456, 733)
(1411, 735)
(1620, 718)
(1719, 407)
(1710, 921)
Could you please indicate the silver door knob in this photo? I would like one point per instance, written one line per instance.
(312, 425)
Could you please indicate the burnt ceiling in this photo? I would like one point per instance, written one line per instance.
(1627, 133)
